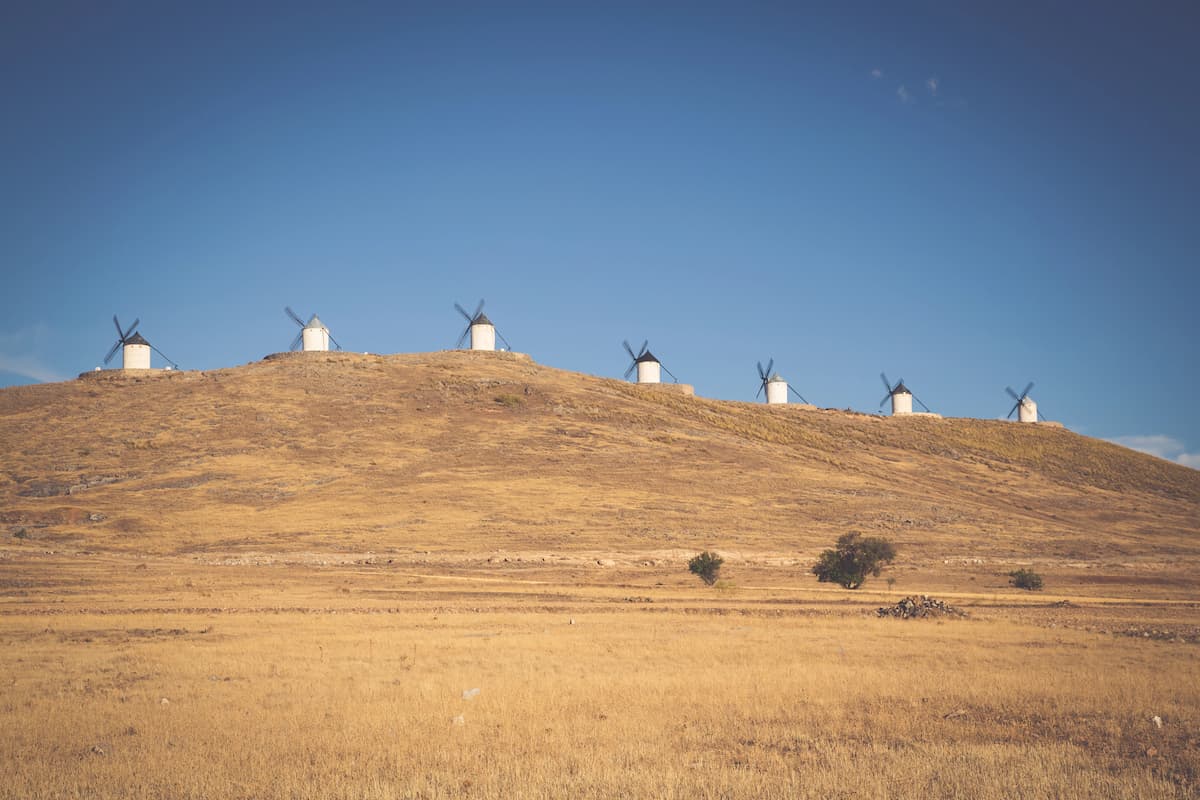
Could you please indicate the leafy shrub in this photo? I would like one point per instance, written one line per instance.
(853, 559)
(707, 566)
(1025, 579)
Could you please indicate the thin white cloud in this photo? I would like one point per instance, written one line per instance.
(932, 85)
(1162, 446)
(28, 367)
(877, 73)
(1156, 445)
(904, 95)
(19, 354)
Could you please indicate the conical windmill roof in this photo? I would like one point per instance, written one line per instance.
(482, 320)
(647, 356)
(137, 338)
(776, 378)
(315, 322)
(901, 389)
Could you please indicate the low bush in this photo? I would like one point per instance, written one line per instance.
(854, 558)
(1025, 579)
(707, 566)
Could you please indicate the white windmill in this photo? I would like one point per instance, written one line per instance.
(135, 350)
(481, 330)
(775, 386)
(901, 397)
(1026, 408)
(649, 369)
(313, 335)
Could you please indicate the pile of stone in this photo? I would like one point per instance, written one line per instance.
(920, 606)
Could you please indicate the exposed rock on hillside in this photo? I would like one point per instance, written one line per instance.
(916, 607)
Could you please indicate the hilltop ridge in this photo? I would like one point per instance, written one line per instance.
(462, 455)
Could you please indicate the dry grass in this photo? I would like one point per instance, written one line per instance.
(353, 453)
(285, 682)
(312, 557)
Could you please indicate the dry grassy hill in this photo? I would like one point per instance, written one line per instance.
(460, 457)
(461, 575)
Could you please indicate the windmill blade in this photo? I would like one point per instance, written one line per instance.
(1027, 388)
(506, 344)
(297, 340)
(164, 355)
(463, 311)
(645, 346)
(478, 310)
(886, 397)
(761, 387)
(1012, 394)
(629, 350)
(802, 400)
(122, 335)
(922, 405)
(629, 371)
(762, 375)
(466, 332)
(770, 365)
(1014, 408)
(295, 317)
(335, 344)
(886, 383)
(113, 351)
(664, 369)
(1040, 417)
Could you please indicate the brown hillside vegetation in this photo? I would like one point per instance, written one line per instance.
(463, 454)
(288, 580)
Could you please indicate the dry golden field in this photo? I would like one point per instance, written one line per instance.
(279, 580)
(285, 681)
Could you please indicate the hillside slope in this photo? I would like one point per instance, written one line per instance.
(462, 454)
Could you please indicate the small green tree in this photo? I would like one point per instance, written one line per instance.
(707, 566)
(854, 558)
(1025, 579)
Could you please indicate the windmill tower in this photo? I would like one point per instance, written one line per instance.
(1026, 408)
(901, 397)
(313, 335)
(481, 330)
(135, 350)
(649, 369)
(135, 354)
(775, 386)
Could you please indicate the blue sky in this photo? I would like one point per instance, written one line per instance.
(965, 199)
